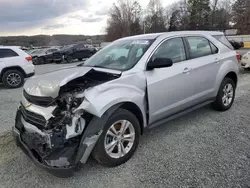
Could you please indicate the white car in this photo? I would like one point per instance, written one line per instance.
(15, 65)
(245, 61)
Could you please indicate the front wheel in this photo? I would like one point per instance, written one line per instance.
(41, 60)
(119, 140)
(225, 96)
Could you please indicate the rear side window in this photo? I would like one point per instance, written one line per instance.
(199, 47)
(7, 53)
(223, 40)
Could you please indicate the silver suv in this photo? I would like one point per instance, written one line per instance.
(103, 106)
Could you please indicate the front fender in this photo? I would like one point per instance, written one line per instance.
(98, 100)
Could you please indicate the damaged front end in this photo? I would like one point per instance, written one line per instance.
(55, 133)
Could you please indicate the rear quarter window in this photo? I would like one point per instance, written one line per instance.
(223, 40)
(4, 53)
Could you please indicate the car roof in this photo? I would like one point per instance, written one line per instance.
(169, 34)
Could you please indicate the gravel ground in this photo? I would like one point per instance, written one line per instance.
(204, 148)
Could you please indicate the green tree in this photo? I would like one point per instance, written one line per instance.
(124, 19)
(155, 20)
(241, 16)
(175, 21)
(199, 14)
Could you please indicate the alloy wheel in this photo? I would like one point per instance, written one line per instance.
(228, 94)
(119, 139)
(14, 79)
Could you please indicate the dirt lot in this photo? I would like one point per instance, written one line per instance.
(204, 148)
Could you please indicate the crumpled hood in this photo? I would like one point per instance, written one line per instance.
(49, 84)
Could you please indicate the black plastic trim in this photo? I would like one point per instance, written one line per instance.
(30, 75)
(59, 172)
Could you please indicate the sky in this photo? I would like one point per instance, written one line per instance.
(33, 17)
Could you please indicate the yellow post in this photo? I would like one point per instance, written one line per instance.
(246, 44)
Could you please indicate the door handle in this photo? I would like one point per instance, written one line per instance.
(217, 60)
(187, 70)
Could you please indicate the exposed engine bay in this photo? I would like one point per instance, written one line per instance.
(54, 141)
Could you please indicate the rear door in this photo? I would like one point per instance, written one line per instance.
(10, 57)
(204, 64)
(80, 51)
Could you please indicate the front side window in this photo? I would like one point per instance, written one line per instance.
(215, 50)
(7, 53)
(198, 47)
(120, 55)
(172, 49)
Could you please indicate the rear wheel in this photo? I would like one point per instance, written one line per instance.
(225, 96)
(119, 140)
(69, 59)
(13, 79)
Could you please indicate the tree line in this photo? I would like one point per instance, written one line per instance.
(47, 40)
(126, 17)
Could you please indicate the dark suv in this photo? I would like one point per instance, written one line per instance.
(78, 51)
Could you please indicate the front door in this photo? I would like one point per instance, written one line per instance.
(170, 90)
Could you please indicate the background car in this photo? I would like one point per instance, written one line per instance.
(78, 51)
(245, 61)
(43, 56)
(15, 65)
(236, 44)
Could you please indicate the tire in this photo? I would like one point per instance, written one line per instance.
(69, 59)
(99, 152)
(41, 60)
(35, 61)
(80, 59)
(220, 104)
(11, 74)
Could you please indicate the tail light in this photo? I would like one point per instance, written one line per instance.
(28, 58)
(238, 56)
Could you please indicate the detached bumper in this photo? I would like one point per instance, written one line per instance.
(80, 153)
(59, 172)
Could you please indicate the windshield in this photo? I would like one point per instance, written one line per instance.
(41, 51)
(120, 55)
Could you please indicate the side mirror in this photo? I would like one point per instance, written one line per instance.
(159, 63)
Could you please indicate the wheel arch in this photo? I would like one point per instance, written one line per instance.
(233, 76)
(12, 68)
(133, 108)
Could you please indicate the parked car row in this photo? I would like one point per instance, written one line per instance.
(68, 53)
